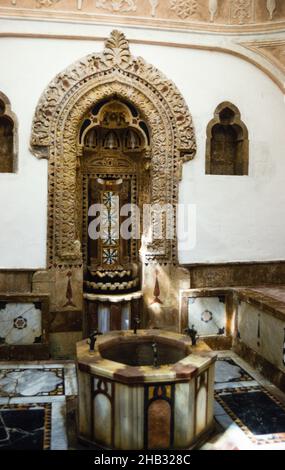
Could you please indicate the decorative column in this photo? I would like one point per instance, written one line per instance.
(213, 7)
(271, 7)
(154, 5)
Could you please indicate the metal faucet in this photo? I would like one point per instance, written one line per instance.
(137, 322)
(193, 334)
(92, 340)
(155, 354)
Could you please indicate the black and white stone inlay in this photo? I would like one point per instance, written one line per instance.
(260, 415)
(20, 323)
(207, 314)
(25, 427)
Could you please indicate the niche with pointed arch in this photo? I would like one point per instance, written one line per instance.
(227, 142)
(8, 137)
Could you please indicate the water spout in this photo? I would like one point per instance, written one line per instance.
(92, 340)
(193, 334)
(137, 322)
(155, 354)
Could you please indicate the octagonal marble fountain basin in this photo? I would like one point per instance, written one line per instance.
(126, 403)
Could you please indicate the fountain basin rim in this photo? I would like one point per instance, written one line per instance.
(197, 358)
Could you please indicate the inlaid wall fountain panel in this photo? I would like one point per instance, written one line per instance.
(111, 125)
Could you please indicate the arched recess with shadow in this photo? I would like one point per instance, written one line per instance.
(227, 148)
(8, 136)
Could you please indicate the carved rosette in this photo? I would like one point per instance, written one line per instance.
(242, 10)
(55, 136)
(184, 8)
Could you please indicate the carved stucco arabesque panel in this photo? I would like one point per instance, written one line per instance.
(55, 132)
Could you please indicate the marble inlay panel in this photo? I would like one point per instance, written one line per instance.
(228, 371)
(25, 426)
(20, 323)
(255, 329)
(31, 382)
(18, 381)
(184, 404)
(207, 314)
(103, 419)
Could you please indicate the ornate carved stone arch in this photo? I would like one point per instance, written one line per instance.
(55, 130)
(114, 75)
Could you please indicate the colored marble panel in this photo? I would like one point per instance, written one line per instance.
(129, 417)
(159, 418)
(184, 414)
(207, 314)
(210, 404)
(201, 410)
(255, 329)
(85, 426)
(103, 420)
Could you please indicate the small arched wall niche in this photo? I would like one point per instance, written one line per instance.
(8, 136)
(227, 142)
(115, 142)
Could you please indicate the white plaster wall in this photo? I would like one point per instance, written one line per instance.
(238, 218)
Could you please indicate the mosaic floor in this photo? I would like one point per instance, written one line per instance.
(33, 400)
(35, 407)
(249, 410)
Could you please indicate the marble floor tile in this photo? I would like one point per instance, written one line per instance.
(247, 412)
(227, 370)
(231, 439)
(39, 378)
(218, 409)
(31, 365)
(221, 386)
(31, 382)
(58, 440)
(4, 400)
(47, 399)
(25, 426)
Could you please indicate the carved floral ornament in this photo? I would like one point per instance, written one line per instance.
(42, 3)
(241, 11)
(57, 121)
(184, 8)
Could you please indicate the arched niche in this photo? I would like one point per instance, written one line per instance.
(59, 116)
(8, 136)
(114, 167)
(227, 145)
(61, 132)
